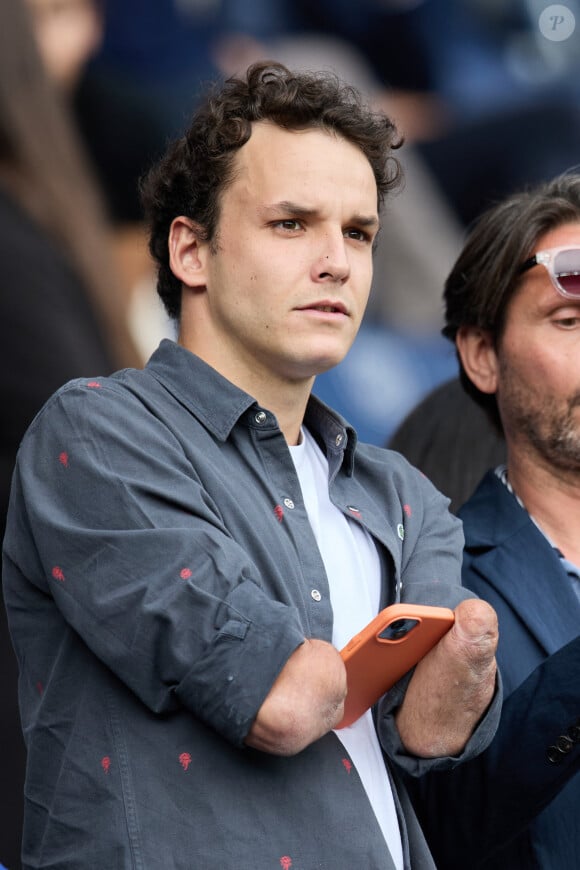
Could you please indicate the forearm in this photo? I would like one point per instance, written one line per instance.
(305, 702)
(452, 686)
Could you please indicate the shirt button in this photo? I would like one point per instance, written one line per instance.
(260, 417)
(338, 440)
(289, 503)
(316, 595)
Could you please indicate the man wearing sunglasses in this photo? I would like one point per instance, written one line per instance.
(513, 310)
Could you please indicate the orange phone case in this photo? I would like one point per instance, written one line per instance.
(389, 646)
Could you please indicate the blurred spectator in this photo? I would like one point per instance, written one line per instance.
(68, 33)
(62, 312)
(123, 131)
(125, 122)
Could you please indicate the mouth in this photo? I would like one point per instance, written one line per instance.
(326, 308)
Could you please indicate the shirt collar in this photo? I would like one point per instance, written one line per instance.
(219, 405)
(569, 567)
(215, 401)
(338, 437)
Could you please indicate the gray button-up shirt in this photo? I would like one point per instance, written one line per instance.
(159, 571)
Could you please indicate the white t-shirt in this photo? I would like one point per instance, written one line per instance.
(353, 570)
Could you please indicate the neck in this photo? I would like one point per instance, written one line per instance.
(287, 404)
(551, 496)
(285, 398)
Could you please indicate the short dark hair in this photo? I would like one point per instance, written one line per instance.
(487, 272)
(197, 168)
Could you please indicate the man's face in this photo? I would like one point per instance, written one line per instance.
(538, 375)
(286, 281)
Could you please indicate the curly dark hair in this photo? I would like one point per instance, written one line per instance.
(487, 272)
(196, 169)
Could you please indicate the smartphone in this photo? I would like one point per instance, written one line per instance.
(389, 646)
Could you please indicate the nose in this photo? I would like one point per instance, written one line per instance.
(332, 264)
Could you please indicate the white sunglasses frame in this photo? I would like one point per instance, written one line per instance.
(547, 258)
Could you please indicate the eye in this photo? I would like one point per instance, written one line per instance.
(357, 235)
(289, 224)
(572, 322)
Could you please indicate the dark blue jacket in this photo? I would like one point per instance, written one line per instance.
(516, 806)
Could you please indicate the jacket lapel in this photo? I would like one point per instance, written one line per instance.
(508, 549)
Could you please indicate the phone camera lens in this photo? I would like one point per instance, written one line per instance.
(398, 629)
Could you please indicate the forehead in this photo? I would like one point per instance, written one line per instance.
(566, 234)
(308, 164)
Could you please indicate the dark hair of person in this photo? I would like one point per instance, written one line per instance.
(487, 272)
(198, 167)
(43, 167)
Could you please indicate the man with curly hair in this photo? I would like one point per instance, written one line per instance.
(190, 545)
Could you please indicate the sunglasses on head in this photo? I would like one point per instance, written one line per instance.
(563, 267)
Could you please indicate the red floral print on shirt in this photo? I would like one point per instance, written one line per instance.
(185, 760)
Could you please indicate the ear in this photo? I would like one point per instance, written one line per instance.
(188, 252)
(478, 356)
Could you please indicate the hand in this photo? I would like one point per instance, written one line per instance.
(452, 686)
(305, 702)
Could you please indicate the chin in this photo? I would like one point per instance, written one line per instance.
(308, 366)
(325, 361)
(322, 366)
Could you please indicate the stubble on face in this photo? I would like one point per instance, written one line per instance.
(540, 423)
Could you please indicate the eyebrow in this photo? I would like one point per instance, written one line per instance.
(286, 206)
